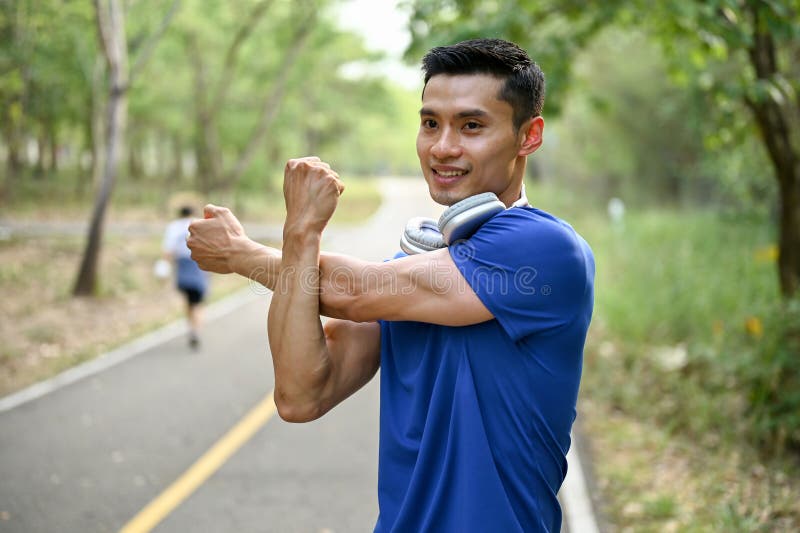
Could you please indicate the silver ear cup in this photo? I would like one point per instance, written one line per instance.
(463, 218)
(421, 235)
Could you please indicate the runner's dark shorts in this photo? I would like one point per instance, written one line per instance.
(193, 296)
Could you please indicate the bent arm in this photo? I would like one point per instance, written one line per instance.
(424, 288)
(316, 366)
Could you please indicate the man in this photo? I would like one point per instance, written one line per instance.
(480, 344)
(189, 279)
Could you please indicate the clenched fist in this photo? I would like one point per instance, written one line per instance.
(215, 240)
(311, 190)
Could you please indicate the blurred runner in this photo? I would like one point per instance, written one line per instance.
(189, 279)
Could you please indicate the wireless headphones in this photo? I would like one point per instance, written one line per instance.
(459, 221)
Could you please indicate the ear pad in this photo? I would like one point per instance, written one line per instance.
(459, 221)
(463, 218)
(421, 235)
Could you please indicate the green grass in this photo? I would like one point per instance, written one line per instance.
(692, 367)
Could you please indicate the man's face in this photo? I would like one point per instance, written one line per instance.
(466, 142)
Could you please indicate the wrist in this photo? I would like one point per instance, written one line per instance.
(301, 234)
(242, 253)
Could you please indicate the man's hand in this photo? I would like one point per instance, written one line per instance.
(311, 190)
(216, 240)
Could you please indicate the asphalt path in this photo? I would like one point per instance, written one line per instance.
(91, 455)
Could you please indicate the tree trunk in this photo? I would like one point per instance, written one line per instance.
(789, 242)
(86, 283)
(776, 131)
(111, 26)
(96, 124)
(206, 141)
(52, 140)
(14, 145)
(176, 174)
(135, 165)
(41, 153)
(110, 19)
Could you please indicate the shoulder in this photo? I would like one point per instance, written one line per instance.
(526, 232)
(532, 222)
(178, 225)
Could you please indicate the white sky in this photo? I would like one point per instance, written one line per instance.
(383, 26)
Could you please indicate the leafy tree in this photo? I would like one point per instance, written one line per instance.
(218, 77)
(43, 49)
(111, 29)
(740, 52)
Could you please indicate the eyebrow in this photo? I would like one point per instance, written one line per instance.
(461, 114)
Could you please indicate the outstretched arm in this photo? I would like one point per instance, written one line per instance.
(426, 287)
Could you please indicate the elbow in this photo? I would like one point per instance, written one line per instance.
(295, 416)
(296, 412)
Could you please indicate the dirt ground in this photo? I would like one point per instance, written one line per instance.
(44, 330)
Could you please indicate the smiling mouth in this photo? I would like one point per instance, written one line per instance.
(449, 173)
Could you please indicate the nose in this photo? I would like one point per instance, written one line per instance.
(447, 146)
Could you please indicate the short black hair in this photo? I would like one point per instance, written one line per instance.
(524, 80)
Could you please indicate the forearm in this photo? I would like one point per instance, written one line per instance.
(348, 288)
(257, 262)
(296, 338)
(341, 277)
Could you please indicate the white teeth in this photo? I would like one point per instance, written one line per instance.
(449, 174)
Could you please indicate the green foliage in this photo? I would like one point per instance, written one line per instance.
(678, 117)
(696, 36)
(769, 371)
(52, 97)
(692, 332)
(553, 31)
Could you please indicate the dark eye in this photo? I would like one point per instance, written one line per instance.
(472, 125)
(429, 123)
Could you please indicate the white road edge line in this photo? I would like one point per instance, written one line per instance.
(580, 516)
(126, 351)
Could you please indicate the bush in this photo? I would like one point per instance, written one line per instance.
(769, 372)
(692, 331)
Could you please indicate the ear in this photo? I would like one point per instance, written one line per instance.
(532, 131)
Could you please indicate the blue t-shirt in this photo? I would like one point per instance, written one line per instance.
(475, 421)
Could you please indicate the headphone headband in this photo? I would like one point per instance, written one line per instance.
(459, 221)
(463, 218)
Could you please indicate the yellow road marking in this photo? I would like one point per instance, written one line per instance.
(202, 469)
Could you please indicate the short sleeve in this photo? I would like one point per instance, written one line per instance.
(529, 269)
(174, 241)
(169, 236)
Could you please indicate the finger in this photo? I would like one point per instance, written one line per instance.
(210, 211)
(316, 162)
(215, 211)
(303, 160)
(197, 225)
